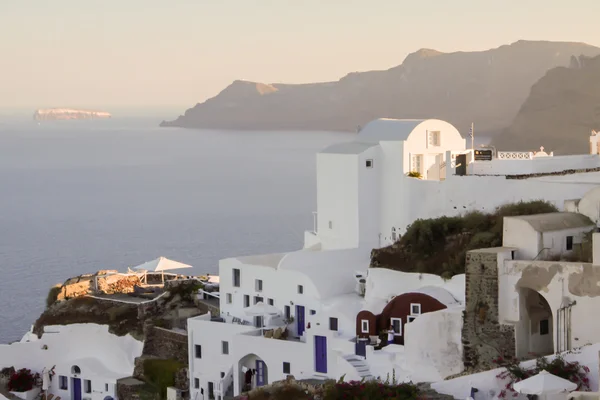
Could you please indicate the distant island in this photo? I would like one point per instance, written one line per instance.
(55, 114)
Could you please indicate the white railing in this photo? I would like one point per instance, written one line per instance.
(202, 292)
(515, 155)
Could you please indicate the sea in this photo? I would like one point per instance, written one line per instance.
(80, 196)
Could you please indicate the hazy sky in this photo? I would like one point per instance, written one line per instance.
(155, 53)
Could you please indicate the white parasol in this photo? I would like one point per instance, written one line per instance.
(45, 379)
(544, 383)
(161, 264)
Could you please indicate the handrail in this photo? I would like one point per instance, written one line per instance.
(538, 254)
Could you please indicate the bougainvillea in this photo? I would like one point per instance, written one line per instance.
(21, 381)
(558, 366)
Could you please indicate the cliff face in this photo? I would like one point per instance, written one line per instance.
(485, 87)
(560, 112)
(54, 114)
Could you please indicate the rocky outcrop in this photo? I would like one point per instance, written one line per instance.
(117, 284)
(483, 87)
(55, 114)
(560, 112)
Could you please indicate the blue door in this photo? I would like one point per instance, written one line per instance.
(260, 373)
(361, 348)
(300, 319)
(76, 395)
(321, 354)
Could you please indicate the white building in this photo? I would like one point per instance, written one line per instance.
(365, 199)
(365, 195)
(541, 236)
(88, 359)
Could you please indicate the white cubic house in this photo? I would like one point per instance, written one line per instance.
(296, 313)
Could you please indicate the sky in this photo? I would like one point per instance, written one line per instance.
(160, 54)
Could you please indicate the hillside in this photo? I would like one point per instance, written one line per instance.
(439, 245)
(484, 87)
(560, 112)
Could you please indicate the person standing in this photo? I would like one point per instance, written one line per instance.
(390, 335)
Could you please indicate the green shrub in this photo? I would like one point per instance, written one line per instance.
(52, 295)
(161, 373)
(371, 390)
(414, 174)
(439, 245)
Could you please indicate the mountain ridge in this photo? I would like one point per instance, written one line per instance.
(485, 87)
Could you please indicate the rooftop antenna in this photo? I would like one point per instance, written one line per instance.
(471, 133)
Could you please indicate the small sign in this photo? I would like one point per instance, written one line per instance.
(483, 155)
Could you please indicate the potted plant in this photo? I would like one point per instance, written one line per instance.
(23, 384)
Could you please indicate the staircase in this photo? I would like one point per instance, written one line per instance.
(360, 365)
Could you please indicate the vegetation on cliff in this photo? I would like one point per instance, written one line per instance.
(439, 245)
(161, 374)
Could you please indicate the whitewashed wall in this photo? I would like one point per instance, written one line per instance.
(108, 358)
(337, 200)
(369, 192)
(434, 342)
(521, 235)
(570, 280)
(533, 166)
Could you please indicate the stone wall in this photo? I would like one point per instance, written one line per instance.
(166, 344)
(484, 338)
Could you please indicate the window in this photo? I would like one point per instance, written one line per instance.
(287, 312)
(229, 298)
(364, 326)
(198, 351)
(416, 163)
(258, 321)
(411, 318)
(369, 163)
(300, 289)
(236, 277)
(106, 387)
(63, 382)
(258, 285)
(196, 383)
(222, 375)
(246, 300)
(415, 309)
(569, 242)
(224, 347)
(211, 390)
(312, 312)
(286, 368)
(333, 324)
(434, 138)
(544, 327)
(75, 370)
(397, 326)
(394, 237)
(87, 386)
(330, 224)
(258, 299)
(271, 302)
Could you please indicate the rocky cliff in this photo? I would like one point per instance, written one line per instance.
(560, 112)
(484, 87)
(54, 114)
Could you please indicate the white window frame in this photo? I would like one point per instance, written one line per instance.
(63, 382)
(271, 302)
(399, 333)
(258, 285)
(364, 326)
(416, 163)
(224, 347)
(300, 289)
(418, 305)
(229, 298)
(369, 163)
(434, 139)
(233, 280)
(246, 303)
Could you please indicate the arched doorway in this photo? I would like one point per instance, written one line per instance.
(253, 372)
(535, 331)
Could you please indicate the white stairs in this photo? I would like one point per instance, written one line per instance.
(360, 365)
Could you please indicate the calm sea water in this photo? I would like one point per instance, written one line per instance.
(77, 196)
